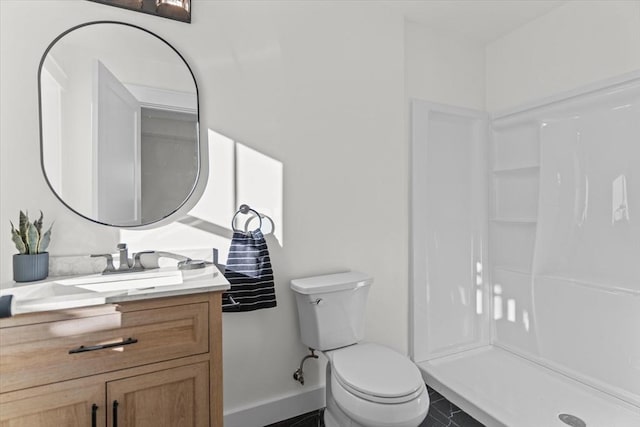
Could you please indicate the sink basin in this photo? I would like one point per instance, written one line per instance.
(50, 296)
(96, 289)
(124, 281)
(43, 290)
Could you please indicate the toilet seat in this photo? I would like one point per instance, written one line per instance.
(379, 399)
(377, 374)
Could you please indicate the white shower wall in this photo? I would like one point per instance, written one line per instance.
(568, 293)
(450, 297)
(562, 275)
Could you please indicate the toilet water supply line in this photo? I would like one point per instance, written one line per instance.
(299, 375)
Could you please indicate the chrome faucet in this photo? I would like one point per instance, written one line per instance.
(184, 262)
(126, 265)
(124, 257)
(109, 258)
(137, 264)
(171, 255)
(152, 262)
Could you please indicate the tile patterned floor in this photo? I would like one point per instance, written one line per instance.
(311, 419)
(442, 413)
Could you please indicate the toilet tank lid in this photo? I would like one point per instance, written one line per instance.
(331, 282)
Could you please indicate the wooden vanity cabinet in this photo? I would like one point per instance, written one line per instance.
(66, 404)
(152, 363)
(173, 397)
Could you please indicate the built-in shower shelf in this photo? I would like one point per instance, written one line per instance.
(524, 221)
(510, 269)
(517, 169)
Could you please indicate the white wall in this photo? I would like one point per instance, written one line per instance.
(444, 68)
(576, 44)
(317, 87)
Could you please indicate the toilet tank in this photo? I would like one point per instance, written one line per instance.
(331, 308)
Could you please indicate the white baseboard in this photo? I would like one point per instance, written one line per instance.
(277, 409)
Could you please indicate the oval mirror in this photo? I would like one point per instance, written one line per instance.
(118, 124)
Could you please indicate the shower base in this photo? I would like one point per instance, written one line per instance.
(499, 388)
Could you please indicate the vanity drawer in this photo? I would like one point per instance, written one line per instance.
(49, 352)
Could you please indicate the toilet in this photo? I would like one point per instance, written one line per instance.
(367, 384)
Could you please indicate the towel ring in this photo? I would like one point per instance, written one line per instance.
(245, 209)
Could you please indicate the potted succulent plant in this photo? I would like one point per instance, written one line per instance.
(32, 263)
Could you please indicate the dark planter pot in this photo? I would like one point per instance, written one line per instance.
(29, 268)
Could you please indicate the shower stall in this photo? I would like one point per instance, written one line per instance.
(525, 257)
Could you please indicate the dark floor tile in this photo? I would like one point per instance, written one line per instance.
(432, 422)
(311, 419)
(445, 412)
(462, 419)
(438, 416)
(434, 396)
(432, 391)
(444, 407)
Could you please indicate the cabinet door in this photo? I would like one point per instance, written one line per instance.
(177, 397)
(67, 404)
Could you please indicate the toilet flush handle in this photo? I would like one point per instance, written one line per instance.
(316, 301)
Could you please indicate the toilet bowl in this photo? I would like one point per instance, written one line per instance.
(375, 386)
(367, 384)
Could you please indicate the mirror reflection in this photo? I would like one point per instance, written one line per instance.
(119, 124)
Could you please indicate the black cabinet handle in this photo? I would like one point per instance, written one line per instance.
(115, 413)
(94, 415)
(83, 348)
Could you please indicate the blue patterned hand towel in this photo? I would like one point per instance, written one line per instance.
(249, 273)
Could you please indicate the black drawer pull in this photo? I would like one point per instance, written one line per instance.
(115, 413)
(83, 348)
(94, 415)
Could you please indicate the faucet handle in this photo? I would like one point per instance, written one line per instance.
(109, 258)
(138, 263)
(122, 246)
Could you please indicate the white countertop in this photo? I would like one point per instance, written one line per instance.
(59, 293)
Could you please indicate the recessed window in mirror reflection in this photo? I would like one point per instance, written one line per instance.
(119, 124)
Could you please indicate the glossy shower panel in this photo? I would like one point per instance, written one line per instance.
(560, 282)
(449, 229)
(590, 201)
(566, 276)
(587, 259)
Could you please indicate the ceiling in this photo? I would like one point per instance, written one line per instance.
(481, 20)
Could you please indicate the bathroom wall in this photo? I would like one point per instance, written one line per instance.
(313, 90)
(576, 44)
(444, 67)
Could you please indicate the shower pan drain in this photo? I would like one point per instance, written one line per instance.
(572, 420)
